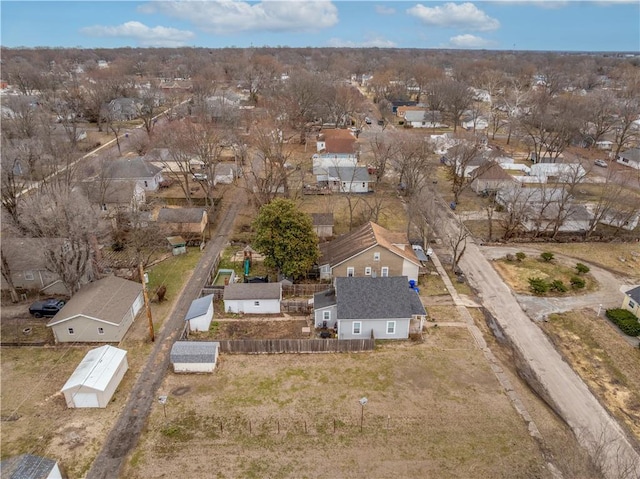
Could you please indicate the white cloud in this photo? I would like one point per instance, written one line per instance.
(373, 42)
(228, 16)
(144, 35)
(455, 15)
(470, 41)
(385, 10)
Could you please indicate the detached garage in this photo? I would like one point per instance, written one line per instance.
(194, 356)
(96, 378)
(252, 298)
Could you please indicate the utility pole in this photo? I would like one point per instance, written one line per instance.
(146, 303)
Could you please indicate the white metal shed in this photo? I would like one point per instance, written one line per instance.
(200, 313)
(96, 378)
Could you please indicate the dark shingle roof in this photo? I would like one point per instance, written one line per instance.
(26, 466)
(252, 291)
(376, 298)
(194, 352)
(180, 215)
(24, 254)
(634, 294)
(349, 173)
(324, 299)
(131, 168)
(199, 307)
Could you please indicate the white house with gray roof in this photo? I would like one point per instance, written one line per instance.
(630, 158)
(200, 314)
(136, 169)
(631, 301)
(194, 356)
(252, 298)
(346, 179)
(100, 312)
(365, 307)
(30, 466)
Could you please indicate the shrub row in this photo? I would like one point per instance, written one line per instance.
(625, 320)
(540, 286)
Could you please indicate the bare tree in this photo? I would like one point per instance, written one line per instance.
(457, 97)
(6, 274)
(412, 161)
(56, 211)
(457, 241)
(382, 151)
(460, 158)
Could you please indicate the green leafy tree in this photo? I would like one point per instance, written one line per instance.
(558, 285)
(520, 256)
(285, 236)
(577, 282)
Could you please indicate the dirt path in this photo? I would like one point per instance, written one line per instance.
(125, 434)
(553, 378)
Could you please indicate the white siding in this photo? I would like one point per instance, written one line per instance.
(410, 270)
(194, 367)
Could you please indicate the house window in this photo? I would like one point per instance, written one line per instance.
(28, 275)
(103, 207)
(325, 269)
(71, 331)
(384, 272)
(632, 304)
(146, 183)
(367, 271)
(100, 330)
(364, 185)
(391, 327)
(326, 315)
(376, 256)
(350, 271)
(357, 327)
(256, 303)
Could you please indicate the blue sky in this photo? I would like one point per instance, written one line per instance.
(612, 25)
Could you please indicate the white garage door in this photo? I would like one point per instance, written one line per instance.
(86, 400)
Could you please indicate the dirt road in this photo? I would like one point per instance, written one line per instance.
(558, 383)
(125, 434)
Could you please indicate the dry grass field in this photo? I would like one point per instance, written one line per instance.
(434, 410)
(517, 273)
(604, 360)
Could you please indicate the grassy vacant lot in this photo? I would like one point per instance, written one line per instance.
(434, 410)
(622, 258)
(517, 273)
(604, 360)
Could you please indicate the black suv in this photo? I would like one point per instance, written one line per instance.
(47, 308)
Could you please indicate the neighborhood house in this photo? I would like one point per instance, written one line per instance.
(379, 308)
(101, 311)
(370, 250)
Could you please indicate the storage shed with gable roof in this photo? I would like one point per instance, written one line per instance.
(194, 356)
(96, 378)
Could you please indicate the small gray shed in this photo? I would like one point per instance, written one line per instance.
(29, 466)
(194, 356)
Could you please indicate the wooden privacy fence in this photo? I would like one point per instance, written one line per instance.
(216, 291)
(304, 289)
(279, 346)
(292, 306)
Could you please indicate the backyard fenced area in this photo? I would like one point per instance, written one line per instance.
(279, 346)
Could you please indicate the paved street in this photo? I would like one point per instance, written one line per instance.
(557, 382)
(124, 436)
